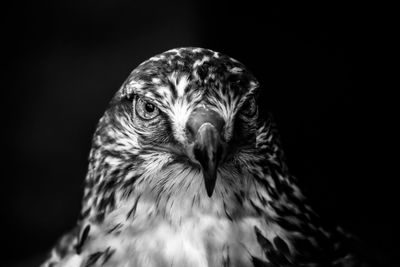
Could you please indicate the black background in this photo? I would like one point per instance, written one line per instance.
(322, 68)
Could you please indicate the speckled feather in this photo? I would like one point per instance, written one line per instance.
(145, 203)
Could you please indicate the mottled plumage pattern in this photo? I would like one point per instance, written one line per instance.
(183, 172)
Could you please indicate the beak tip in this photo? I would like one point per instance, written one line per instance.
(209, 192)
(210, 184)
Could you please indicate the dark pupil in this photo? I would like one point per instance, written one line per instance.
(149, 107)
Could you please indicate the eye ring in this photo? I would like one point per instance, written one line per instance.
(146, 110)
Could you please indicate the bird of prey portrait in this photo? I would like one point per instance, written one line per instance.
(183, 172)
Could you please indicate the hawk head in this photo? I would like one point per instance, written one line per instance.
(182, 132)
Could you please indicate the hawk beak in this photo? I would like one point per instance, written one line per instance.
(208, 149)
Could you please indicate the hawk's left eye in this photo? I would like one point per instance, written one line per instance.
(249, 108)
(145, 109)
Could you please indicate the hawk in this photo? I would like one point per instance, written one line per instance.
(184, 172)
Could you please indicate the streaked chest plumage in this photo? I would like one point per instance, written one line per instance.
(198, 241)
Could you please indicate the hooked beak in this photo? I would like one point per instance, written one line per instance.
(208, 149)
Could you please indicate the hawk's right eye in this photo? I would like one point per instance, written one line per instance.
(145, 109)
(249, 108)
